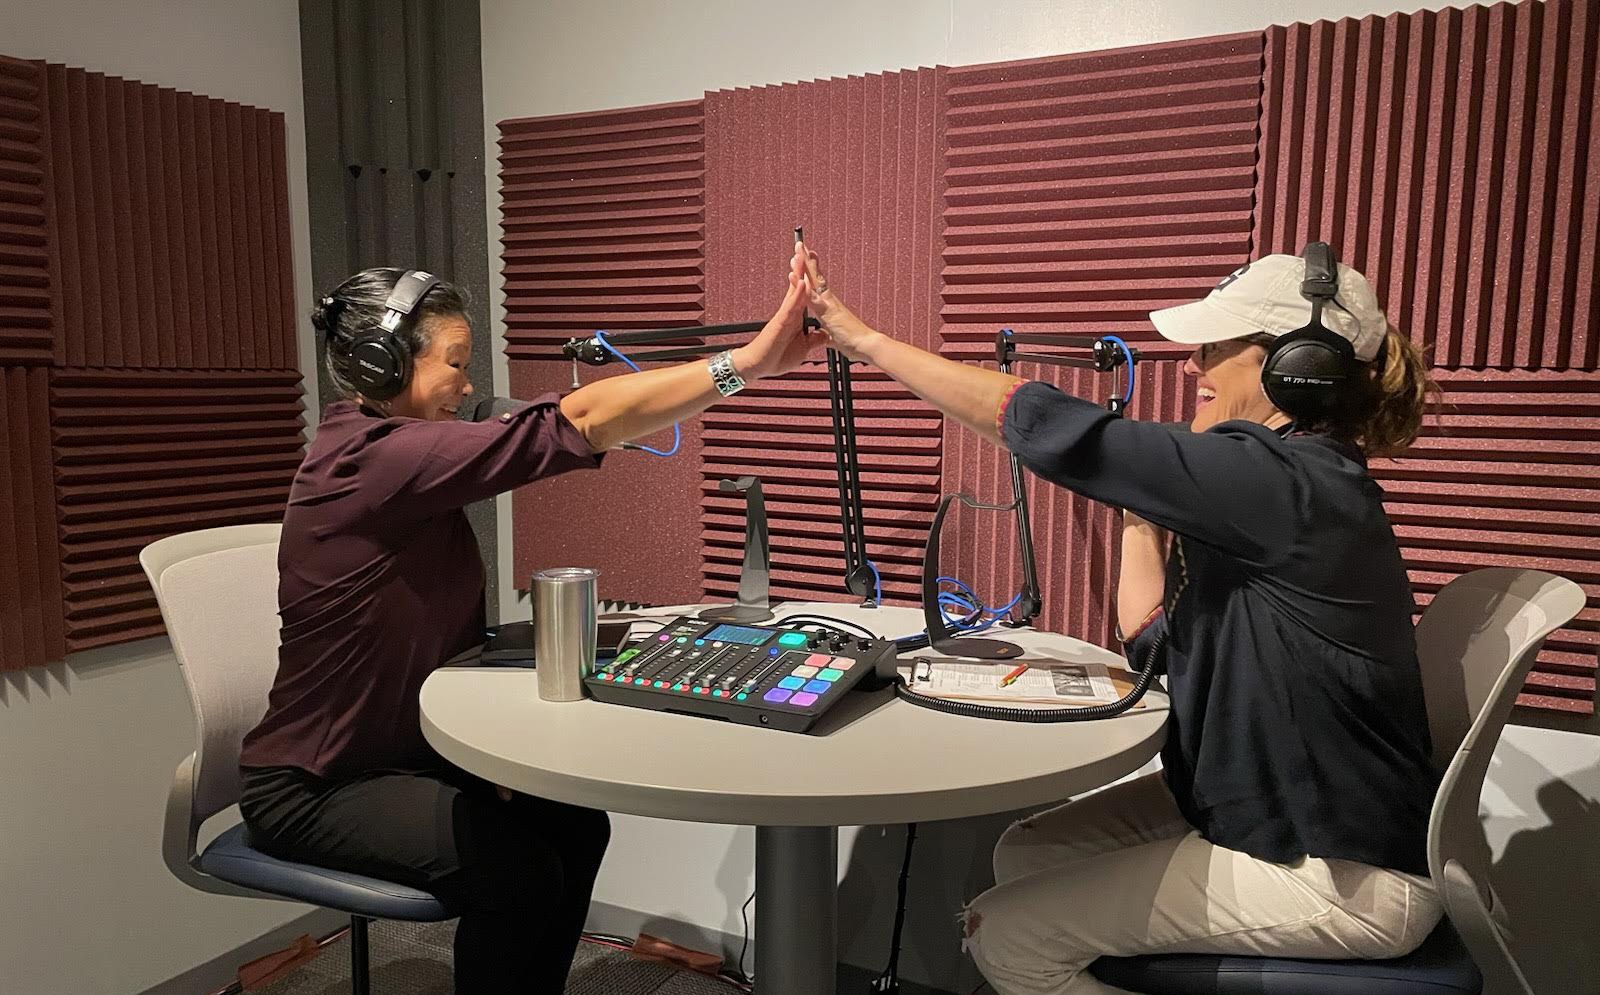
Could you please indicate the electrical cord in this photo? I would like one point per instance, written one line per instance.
(838, 625)
(889, 980)
(1127, 395)
(744, 944)
(677, 432)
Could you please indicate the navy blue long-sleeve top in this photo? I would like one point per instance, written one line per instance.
(1297, 723)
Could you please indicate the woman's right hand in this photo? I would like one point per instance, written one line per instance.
(846, 332)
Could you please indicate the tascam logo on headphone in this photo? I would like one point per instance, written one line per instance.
(374, 368)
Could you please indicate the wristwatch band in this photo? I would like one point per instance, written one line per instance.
(724, 375)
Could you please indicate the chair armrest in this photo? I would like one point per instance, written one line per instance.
(180, 831)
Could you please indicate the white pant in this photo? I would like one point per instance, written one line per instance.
(1120, 872)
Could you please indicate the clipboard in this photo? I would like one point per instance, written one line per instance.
(1046, 683)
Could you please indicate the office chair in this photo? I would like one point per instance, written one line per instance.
(218, 594)
(1476, 643)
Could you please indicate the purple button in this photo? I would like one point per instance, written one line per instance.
(777, 696)
(802, 699)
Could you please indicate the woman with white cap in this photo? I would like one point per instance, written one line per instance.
(1291, 814)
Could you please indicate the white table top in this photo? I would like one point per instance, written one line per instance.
(871, 759)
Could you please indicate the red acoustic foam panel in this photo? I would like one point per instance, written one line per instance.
(604, 224)
(1083, 191)
(1450, 156)
(604, 219)
(171, 228)
(141, 455)
(1510, 477)
(31, 628)
(26, 327)
(634, 519)
(856, 162)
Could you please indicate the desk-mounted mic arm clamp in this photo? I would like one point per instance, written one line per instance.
(1105, 354)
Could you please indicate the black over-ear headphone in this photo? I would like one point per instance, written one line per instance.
(1306, 370)
(379, 365)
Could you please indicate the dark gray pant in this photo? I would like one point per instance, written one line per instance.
(520, 871)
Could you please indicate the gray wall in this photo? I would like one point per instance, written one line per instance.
(394, 110)
(563, 56)
(87, 747)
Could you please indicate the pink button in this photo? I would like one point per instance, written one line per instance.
(818, 660)
(842, 663)
(803, 698)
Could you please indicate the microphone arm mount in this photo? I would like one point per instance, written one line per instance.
(1105, 355)
(858, 578)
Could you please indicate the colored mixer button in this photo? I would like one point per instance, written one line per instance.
(699, 642)
(802, 699)
(777, 696)
(806, 672)
(791, 683)
(841, 663)
(717, 693)
(819, 660)
(665, 638)
(740, 696)
(792, 639)
(830, 675)
(817, 687)
(677, 687)
(683, 639)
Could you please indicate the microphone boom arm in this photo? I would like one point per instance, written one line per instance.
(1105, 355)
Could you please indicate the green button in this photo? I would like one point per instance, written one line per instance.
(661, 684)
(741, 696)
(792, 639)
(829, 674)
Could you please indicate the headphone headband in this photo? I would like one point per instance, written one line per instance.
(408, 292)
(1306, 371)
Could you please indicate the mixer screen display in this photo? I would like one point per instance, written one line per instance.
(738, 634)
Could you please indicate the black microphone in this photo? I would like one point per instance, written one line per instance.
(493, 408)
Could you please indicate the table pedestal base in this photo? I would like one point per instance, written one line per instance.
(797, 906)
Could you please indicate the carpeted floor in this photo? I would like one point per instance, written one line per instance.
(414, 959)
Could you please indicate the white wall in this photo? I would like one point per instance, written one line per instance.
(563, 56)
(87, 747)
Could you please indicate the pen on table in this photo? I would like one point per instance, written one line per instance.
(1016, 673)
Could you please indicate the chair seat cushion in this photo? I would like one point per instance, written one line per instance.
(1441, 966)
(231, 858)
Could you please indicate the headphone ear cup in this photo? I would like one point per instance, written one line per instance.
(1304, 373)
(380, 367)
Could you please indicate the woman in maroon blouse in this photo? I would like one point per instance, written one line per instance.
(380, 582)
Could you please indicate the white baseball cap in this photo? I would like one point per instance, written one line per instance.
(1264, 297)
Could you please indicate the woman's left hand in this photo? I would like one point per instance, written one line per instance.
(784, 343)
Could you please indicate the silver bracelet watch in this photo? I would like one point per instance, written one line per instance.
(724, 375)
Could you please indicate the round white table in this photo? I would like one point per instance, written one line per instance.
(871, 759)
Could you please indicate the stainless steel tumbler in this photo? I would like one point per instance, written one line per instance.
(564, 628)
